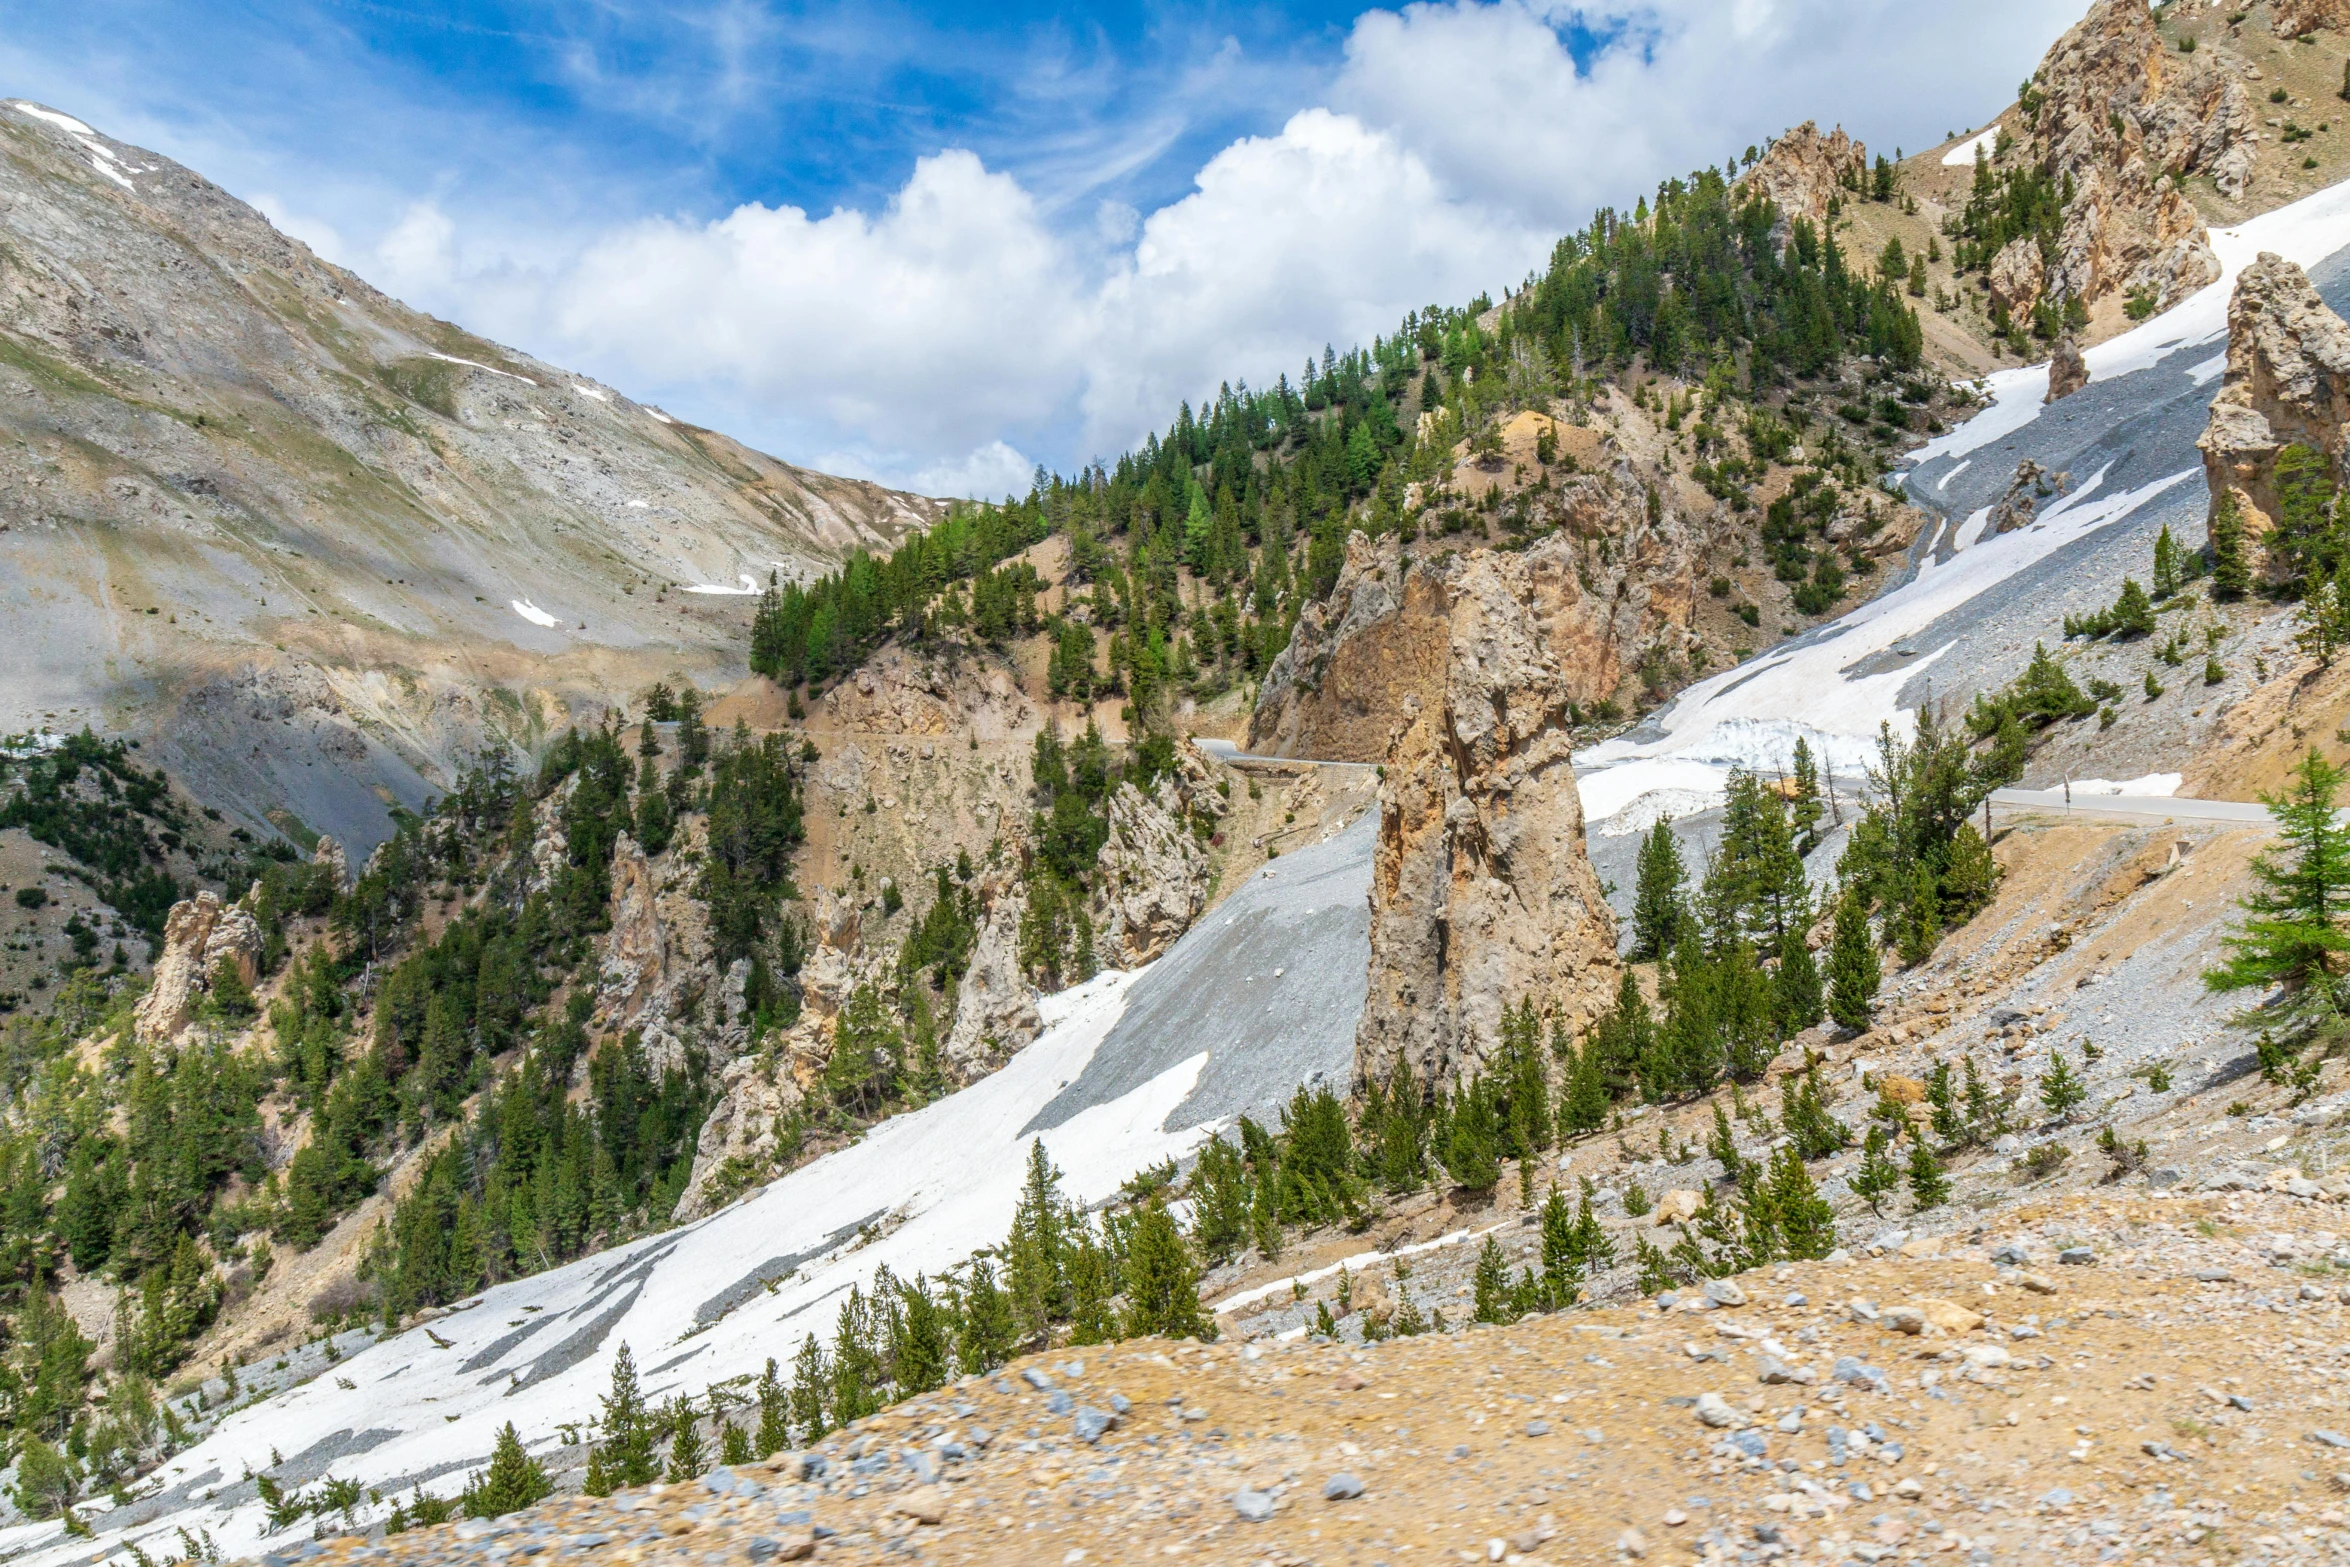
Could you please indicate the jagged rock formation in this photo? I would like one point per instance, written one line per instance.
(199, 935)
(2068, 372)
(1334, 691)
(1481, 894)
(1803, 171)
(2031, 485)
(336, 502)
(2298, 18)
(2287, 383)
(2123, 119)
(1151, 880)
(2017, 275)
(995, 1008)
(329, 854)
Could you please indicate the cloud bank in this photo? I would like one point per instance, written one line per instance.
(950, 336)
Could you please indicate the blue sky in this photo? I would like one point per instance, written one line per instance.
(936, 244)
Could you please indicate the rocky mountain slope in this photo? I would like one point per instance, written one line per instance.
(1525, 575)
(315, 546)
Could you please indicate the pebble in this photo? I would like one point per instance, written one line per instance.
(1724, 1292)
(1714, 1410)
(1252, 1505)
(2076, 1256)
(1342, 1488)
(1538, 1428)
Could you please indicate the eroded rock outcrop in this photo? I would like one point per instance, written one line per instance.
(2287, 384)
(199, 935)
(1481, 894)
(2031, 485)
(1803, 171)
(1151, 880)
(2122, 119)
(995, 1007)
(2298, 18)
(1614, 581)
(2068, 372)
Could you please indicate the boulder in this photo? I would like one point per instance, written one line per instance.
(2068, 372)
(199, 935)
(2287, 383)
(2299, 18)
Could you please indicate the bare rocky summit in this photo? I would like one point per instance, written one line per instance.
(2120, 119)
(1803, 171)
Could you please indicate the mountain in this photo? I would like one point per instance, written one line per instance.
(313, 546)
(1650, 796)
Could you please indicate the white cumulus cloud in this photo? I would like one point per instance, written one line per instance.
(934, 340)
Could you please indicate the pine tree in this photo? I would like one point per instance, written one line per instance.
(2167, 572)
(1492, 1287)
(774, 1433)
(811, 1383)
(1795, 986)
(514, 1481)
(1928, 1186)
(1722, 1144)
(688, 1458)
(1162, 1281)
(1806, 1220)
(2061, 1088)
(1806, 811)
(599, 1481)
(2291, 934)
(626, 1426)
(1561, 1273)
(1660, 904)
(2231, 571)
(1472, 1141)
(1035, 1276)
(1803, 1111)
(1879, 1176)
(734, 1444)
(1583, 1097)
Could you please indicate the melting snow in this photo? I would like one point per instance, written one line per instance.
(749, 589)
(2158, 785)
(596, 392)
(102, 157)
(712, 1300)
(1962, 156)
(1751, 716)
(532, 613)
(478, 365)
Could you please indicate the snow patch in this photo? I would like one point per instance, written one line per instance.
(2305, 233)
(1962, 156)
(709, 1301)
(2204, 373)
(532, 613)
(478, 365)
(1810, 688)
(658, 414)
(749, 589)
(596, 392)
(2153, 786)
(638, 505)
(1944, 482)
(64, 122)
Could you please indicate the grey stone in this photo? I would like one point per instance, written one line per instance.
(1341, 1488)
(1036, 1379)
(1059, 1403)
(1752, 1443)
(1092, 1424)
(1253, 1506)
(1120, 1404)
(2214, 1276)
(2058, 1497)
(2164, 1179)
(1715, 1411)
(1724, 1292)
(2325, 1438)
(1772, 1371)
(1538, 1428)
(2076, 1256)
(1791, 1422)
(1797, 1298)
